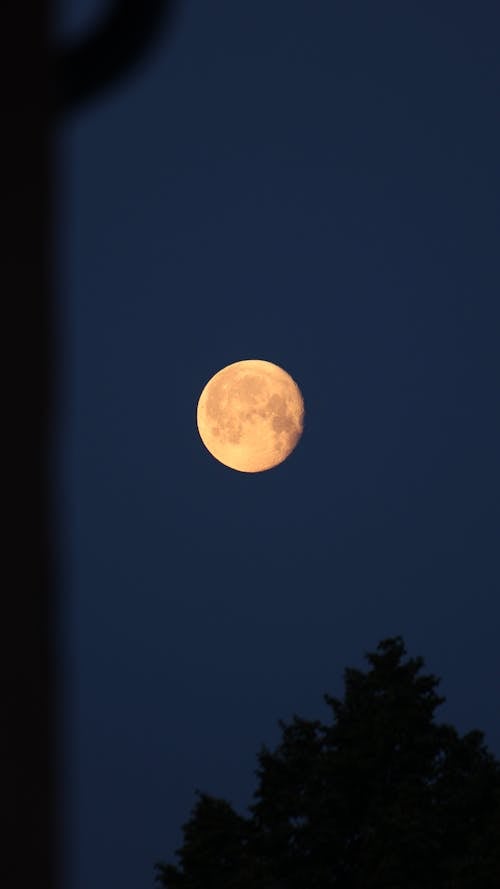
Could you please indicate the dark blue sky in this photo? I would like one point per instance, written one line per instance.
(315, 184)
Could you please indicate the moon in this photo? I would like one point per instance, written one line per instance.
(250, 415)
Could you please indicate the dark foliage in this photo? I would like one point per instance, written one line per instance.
(383, 797)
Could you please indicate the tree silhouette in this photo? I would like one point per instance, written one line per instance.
(382, 797)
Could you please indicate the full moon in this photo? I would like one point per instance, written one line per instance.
(250, 415)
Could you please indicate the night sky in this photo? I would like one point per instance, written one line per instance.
(315, 184)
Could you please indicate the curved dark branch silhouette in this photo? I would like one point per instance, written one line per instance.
(111, 50)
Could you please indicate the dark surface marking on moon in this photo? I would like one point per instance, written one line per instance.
(233, 404)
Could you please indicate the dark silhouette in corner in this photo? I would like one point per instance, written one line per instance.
(111, 51)
(382, 796)
(39, 83)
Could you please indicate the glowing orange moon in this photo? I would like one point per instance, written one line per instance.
(250, 415)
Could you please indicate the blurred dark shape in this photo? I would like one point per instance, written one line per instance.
(112, 50)
(381, 797)
(31, 742)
